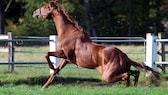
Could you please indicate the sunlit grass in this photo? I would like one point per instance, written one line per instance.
(74, 81)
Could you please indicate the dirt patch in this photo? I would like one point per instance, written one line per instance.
(77, 81)
(81, 81)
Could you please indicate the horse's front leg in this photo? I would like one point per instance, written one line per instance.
(59, 54)
(62, 63)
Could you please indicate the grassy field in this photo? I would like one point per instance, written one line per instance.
(72, 81)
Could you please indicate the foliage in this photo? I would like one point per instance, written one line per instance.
(106, 18)
(76, 9)
(31, 26)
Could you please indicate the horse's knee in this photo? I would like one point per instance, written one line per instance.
(116, 77)
(108, 78)
(125, 76)
(47, 55)
(49, 61)
(105, 78)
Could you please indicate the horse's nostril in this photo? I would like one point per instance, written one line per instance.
(34, 15)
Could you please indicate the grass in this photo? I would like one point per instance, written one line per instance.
(73, 81)
(80, 90)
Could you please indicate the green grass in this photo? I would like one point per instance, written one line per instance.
(80, 90)
(73, 81)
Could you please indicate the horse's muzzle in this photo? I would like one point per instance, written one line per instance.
(35, 15)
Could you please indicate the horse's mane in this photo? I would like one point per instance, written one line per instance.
(75, 23)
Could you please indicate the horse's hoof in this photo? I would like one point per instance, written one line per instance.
(43, 87)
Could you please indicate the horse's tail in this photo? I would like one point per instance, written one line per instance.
(146, 68)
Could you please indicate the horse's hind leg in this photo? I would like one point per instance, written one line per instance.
(127, 80)
(135, 73)
(114, 78)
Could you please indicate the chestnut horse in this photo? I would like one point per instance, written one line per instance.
(76, 47)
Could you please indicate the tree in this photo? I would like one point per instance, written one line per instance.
(1, 18)
(97, 17)
(10, 12)
(36, 27)
(27, 25)
(112, 17)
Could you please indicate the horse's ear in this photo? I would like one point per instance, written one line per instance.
(53, 4)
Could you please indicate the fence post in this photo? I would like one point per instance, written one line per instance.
(151, 50)
(53, 47)
(161, 52)
(11, 52)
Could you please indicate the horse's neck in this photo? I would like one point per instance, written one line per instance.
(67, 28)
(62, 25)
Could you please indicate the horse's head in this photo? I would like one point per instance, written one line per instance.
(45, 11)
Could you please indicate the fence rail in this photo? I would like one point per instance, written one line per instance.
(26, 40)
(4, 63)
(118, 41)
(5, 38)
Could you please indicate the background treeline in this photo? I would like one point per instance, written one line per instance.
(97, 17)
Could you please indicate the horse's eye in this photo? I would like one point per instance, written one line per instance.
(46, 7)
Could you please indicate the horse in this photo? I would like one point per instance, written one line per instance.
(75, 46)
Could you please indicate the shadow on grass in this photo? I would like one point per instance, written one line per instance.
(58, 80)
(40, 80)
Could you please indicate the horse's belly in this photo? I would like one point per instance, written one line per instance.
(86, 63)
(85, 57)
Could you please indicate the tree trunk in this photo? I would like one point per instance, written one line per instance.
(1, 19)
(90, 19)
